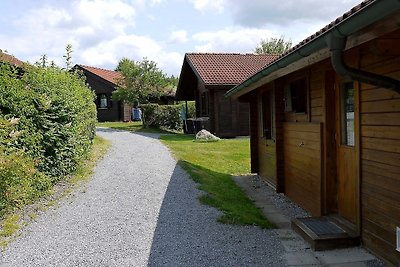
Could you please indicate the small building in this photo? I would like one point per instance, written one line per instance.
(104, 82)
(325, 126)
(206, 77)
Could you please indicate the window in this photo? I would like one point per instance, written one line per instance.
(296, 96)
(103, 101)
(347, 114)
(267, 111)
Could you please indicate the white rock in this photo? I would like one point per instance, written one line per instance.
(205, 135)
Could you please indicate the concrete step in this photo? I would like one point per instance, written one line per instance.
(325, 233)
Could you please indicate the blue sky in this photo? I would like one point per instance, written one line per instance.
(103, 31)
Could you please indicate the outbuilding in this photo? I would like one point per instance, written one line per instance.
(325, 128)
(206, 77)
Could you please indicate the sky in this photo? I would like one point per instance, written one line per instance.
(102, 32)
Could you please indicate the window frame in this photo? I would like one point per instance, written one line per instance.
(267, 115)
(101, 97)
(291, 96)
(344, 126)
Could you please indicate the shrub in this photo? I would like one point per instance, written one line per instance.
(191, 109)
(56, 115)
(20, 181)
(167, 116)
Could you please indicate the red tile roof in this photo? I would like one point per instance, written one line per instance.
(227, 69)
(108, 75)
(11, 59)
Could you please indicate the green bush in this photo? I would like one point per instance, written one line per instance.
(20, 181)
(167, 116)
(56, 115)
(191, 109)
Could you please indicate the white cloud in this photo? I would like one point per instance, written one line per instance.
(235, 39)
(83, 23)
(209, 5)
(178, 37)
(289, 12)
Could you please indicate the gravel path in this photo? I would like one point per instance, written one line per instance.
(139, 209)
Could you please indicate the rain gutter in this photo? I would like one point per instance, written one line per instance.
(337, 45)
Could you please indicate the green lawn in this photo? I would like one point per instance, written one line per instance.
(132, 126)
(211, 164)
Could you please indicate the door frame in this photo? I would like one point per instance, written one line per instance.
(333, 83)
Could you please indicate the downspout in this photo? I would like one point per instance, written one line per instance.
(336, 44)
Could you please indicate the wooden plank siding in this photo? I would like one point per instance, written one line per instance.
(302, 164)
(229, 116)
(266, 147)
(316, 85)
(267, 159)
(380, 149)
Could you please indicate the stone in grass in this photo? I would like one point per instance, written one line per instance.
(206, 136)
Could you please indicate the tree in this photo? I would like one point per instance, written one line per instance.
(141, 81)
(68, 57)
(273, 46)
(42, 62)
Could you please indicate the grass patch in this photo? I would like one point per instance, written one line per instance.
(132, 126)
(212, 164)
(10, 225)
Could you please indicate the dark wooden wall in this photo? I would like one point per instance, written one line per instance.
(113, 113)
(380, 149)
(231, 117)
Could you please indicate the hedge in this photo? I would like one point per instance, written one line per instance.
(47, 120)
(57, 116)
(167, 116)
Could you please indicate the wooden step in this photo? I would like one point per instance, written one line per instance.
(325, 233)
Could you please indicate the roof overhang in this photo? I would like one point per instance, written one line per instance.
(359, 28)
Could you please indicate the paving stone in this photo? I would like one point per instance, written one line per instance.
(301, 258)
(339, 256)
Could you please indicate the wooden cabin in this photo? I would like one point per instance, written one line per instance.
(325, 125)
(104, 82)
(206, 77)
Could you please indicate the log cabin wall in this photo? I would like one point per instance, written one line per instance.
(254, 133)
(212, 108)
(380, 149)
(100, 87)
(225, 127)
(242, 119)
(302, 145)
(231, 117)
(305, 169)
(302, 164)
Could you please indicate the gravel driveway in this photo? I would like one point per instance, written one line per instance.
(139, 209)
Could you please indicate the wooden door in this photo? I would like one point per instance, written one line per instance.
(347, 147)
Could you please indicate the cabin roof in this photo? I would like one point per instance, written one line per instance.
(11, 59)
(217, 69)
(108, 75)
(226, 68)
